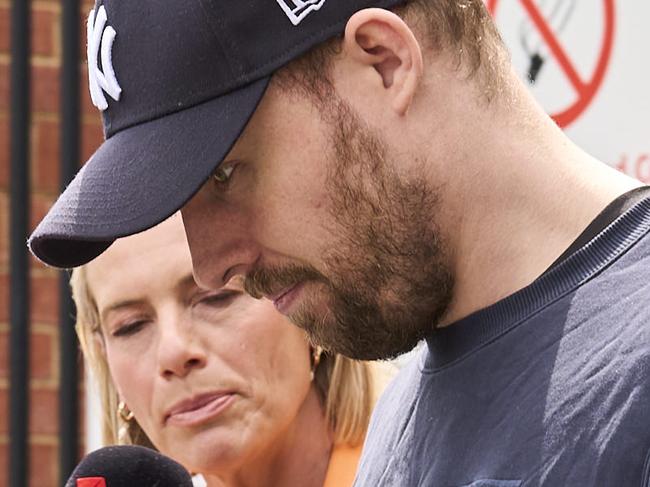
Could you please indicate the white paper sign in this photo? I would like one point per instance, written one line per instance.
(588, 64)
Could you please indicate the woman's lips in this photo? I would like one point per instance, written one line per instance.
(193, 411)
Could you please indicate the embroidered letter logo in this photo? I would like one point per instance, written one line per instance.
(297, 10)
(101, 37)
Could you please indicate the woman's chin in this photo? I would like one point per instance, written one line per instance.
(208, 452)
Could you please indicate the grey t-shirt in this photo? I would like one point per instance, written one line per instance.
(550, 386)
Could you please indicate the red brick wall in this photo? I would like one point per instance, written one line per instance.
(44, 379)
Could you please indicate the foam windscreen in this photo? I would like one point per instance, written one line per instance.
(128, 466)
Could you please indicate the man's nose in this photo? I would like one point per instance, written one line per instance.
(220, 242)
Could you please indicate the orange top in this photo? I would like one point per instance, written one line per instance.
(343, 466)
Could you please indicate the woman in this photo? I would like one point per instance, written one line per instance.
(217, 380)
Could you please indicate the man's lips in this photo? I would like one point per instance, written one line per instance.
(198, 408)
(278, 295)
(283, 300)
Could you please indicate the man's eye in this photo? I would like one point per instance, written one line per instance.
(222, 174)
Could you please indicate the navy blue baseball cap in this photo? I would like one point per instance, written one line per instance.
(176, 82)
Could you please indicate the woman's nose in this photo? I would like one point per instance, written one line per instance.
(180, 350)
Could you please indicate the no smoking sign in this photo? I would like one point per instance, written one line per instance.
(586, 62)
(561, 48)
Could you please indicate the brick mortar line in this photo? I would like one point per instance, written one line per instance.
(44, 328)
(46, 6)
(34, 440)
(48, 385)
(35, 385)
(42, 61)
(35, 61)
(44, 440)
(38, 327)
(5, 59)
(40, 113)
(45, 117)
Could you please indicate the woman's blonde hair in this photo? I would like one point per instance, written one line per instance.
(345, 386)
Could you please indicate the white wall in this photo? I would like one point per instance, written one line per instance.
(615, 124)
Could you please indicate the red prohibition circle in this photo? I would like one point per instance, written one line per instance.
(586, 90)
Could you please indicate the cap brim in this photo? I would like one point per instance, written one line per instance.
(140, 176)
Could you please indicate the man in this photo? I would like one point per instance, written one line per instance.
(383, 177)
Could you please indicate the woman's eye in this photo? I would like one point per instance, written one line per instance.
(129, 329)
(222, 174)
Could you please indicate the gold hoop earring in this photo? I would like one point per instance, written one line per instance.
(125, 413)
(316, 353)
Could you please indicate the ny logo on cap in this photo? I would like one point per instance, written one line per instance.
(297, 10)
(101, 37)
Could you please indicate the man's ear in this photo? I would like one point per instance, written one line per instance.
(380, 39)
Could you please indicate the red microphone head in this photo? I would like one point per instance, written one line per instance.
(91, 482)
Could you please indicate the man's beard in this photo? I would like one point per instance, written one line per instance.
(384, 284)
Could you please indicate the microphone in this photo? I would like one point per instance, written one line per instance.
(128, 466)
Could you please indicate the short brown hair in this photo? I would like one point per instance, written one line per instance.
(463, 28)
